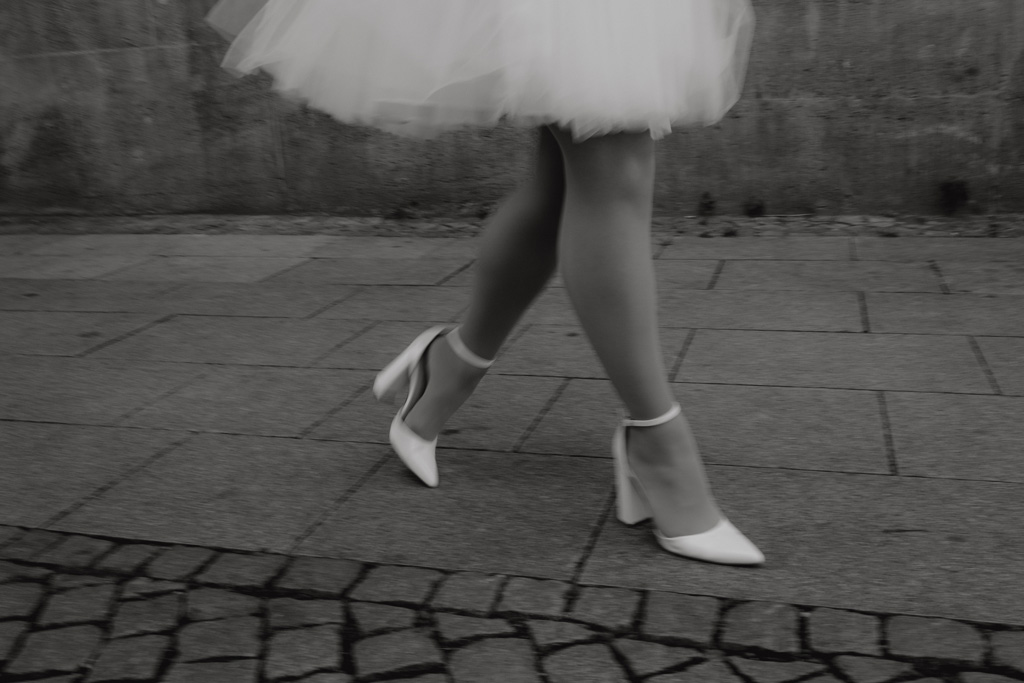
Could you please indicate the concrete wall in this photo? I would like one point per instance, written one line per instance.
(851, 106)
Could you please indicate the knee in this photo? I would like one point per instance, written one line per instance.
(614, 168)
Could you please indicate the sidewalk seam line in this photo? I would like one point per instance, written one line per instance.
(454, 274)
(127, 474)
(677, 365)
(354, 290)
(541, 414)
(338, 502)
(990, 375)
(312, 365)
(890, 446)
(865, 319)
(933, 266)
(126, 335)
(716, 275)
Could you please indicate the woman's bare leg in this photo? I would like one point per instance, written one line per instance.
(605, 258)
(518, 256)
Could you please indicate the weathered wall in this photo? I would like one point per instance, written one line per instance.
(851, 106)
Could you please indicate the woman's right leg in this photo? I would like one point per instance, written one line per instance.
(606, 262)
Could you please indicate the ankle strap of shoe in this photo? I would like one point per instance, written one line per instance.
(463, 352)
(670, 415)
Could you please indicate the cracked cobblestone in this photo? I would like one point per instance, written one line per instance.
(397, 584)
(555, 633)
(832, 630)
(535, 597)
(611, 608)
(134, 659)
(645, 659)
(287, 631)
(395, 652)
(242, 571)
(502, 659)
(468, 592)
(686, 618)
(56, 651)
(77, 552)
(77, 606)
(372, 618)
(292, 613)
(766, 626)
(178, 563)
(214, 603)
(455, 628)
(140, 617)
(302, 651)
(236, 637)
(940, 639)
(593, 663)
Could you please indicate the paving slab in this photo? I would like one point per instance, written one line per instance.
(459, 247)
(685, 274)
(1006, 358)
(829, 276)
(238, 341)
(402, 303)
(15, 245)
(841, 361)
(580, 422)
(278, 246)
(850, 541)
(260, 401)
(111, 245)
(957, 437)
(372, 271)
(65, 267)
(258, 299)
(374, 246)
(48, 333)
(939, 249)
(986, 315)
(377, 346)
(818, 429)
(494, 418)
(60, 465)
(80, 295)
(759, 248)
(747, 310)
(204, 269)
(984, 278)
(565, 351)
(494, 502)
(247, 493)
(84, 391)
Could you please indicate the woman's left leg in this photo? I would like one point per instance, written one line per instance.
(517, 258)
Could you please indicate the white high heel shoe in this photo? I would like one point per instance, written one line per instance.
(723, 543)
(407, 370)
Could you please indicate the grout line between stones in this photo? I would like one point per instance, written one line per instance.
(339, 501)
(454, 274)
(126, 335)
(348, 340)
(326, 307)
(678, 363)
(854, 254)
(934, 267)
(716, 275)
(539, 417)
(331, 413)
(990, 375)
(577, 572)
(890, 447)
(865, 319)
(127, 474)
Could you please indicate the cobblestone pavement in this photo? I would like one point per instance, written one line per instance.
(78, 608)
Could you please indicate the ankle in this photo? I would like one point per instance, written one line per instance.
(661, 445)
(466, 354)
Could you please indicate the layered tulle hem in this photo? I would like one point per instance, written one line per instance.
(421, 67)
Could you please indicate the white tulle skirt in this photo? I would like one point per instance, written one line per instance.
(419, 67)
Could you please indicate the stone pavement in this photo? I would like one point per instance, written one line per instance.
(196, 483)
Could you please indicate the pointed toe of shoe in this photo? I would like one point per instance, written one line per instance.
(723, 544)
(417, 453)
